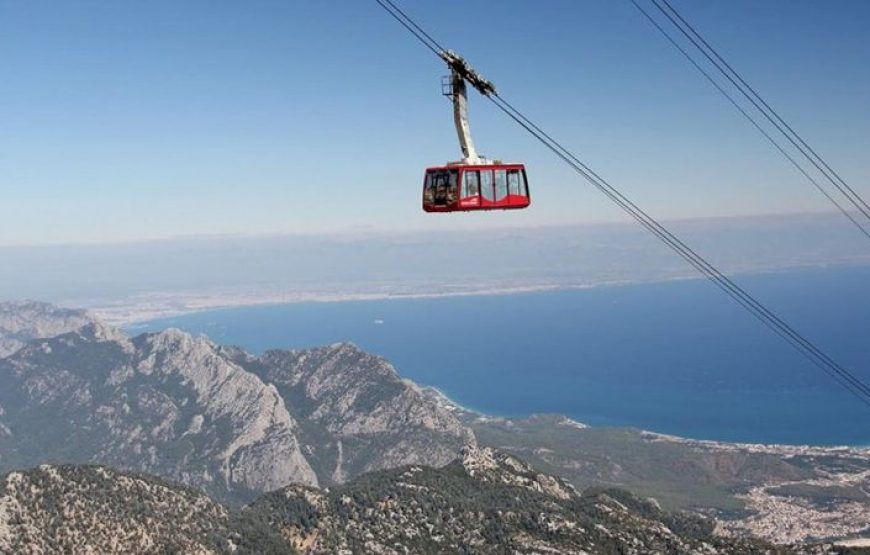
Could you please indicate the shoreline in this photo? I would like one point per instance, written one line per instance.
(791, 449)
(144, 308)
(216, 303)
(462, 412)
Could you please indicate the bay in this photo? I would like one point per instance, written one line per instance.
(676, 357)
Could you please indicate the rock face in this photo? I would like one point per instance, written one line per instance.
(22, 321)
(486, 502)
(358, 415)
(216, 418)
(167, 403)
(76, 509)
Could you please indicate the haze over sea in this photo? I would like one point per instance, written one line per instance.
(675, 357)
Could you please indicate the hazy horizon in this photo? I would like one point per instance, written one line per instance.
(363, 231)
(186, 273)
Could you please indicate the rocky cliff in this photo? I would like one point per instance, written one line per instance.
(358, 414)
(22, 321)
(212, 417)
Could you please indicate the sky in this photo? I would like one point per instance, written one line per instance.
(128, 121)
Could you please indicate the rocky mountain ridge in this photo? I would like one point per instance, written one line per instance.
(22, 321)
(376, 419)
(237, 425)
(484, 502)
(212, 417)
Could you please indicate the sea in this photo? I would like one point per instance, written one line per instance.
(676, 357)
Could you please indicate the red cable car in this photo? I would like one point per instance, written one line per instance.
(474, 183)
(466, 187)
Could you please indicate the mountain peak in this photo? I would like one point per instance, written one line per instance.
(23, 321)
(488, 465)
(174, 338)
(346, 346)
(103, 333)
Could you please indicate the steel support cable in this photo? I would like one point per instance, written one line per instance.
(411, 26)
(776, 324)
(773, 322)
(751, 120)
(714, 58)
(768, 318)
(857, 197)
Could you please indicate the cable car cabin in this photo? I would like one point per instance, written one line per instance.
(463, 188)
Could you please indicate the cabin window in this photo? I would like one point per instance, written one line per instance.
(501, 186)
(513, 179)
(441, 187)
(451, 187)
(486, 185)
(470, 183)
(428, 189)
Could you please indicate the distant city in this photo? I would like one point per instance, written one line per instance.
(127, 283)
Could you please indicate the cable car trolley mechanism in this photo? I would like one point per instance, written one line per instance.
(475, 182)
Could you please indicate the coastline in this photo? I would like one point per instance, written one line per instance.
(781, 449)
(212, 312)
(142, 308)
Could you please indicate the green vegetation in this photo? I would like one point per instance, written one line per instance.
(449, 510)
(68, 509)
(677, 475)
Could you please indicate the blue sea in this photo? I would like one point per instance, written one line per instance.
(677, 357)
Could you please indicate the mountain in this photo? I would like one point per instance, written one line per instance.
(167, 404)
(484, 502)
(357, 414)
(215, 418)
(237, 425)
(90, 509)
(22, 321)
(785, 494)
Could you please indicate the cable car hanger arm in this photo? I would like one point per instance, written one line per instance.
(460, 73)
(459, 66)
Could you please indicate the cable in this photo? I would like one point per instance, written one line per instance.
(860, 202)
(759, 103)
(755, 99)
(751, 120)
(743, 298)
(820, 359)
(411, 26)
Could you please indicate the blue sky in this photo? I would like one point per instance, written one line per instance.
(136, 120)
